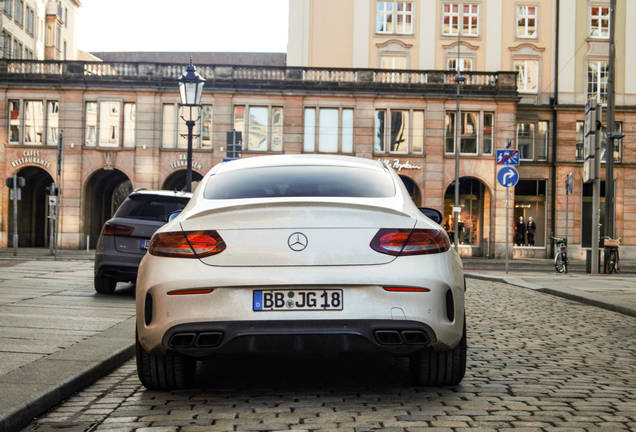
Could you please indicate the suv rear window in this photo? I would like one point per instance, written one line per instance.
(150, 207)
(300, 181)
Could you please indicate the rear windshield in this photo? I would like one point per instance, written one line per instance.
(150, 207)
(300, 181)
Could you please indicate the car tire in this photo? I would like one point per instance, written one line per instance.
(105, 285)
(440, 368)
(163, 372)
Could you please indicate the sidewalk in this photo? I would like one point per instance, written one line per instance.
(56, 334)
(615, 292)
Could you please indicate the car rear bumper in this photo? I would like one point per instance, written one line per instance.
(116, 265)
(229, 337)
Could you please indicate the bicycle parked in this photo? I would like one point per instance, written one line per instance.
(561, 255)
(612, 259)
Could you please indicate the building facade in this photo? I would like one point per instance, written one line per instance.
(560, 51)
(38, 29)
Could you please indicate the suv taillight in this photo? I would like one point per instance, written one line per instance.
(118, 230)
(186, 244)
(400, 242)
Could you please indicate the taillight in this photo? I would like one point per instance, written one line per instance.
(400, 242)
(186, 244)
(118, 230)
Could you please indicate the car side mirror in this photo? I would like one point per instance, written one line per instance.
(434, 215)
(174, 215)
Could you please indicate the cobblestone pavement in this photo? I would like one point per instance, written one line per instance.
(536, 362)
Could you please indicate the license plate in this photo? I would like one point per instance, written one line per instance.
(297, 300)
(144, 244)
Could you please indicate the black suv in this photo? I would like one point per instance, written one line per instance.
(125, 237)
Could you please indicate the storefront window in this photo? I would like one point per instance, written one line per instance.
(471, 218)
(586, 216)
(468, 131)
(529, 213)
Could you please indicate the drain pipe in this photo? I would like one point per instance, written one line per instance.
(555, 104)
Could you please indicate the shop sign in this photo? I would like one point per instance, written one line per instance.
(398, 165)
(30, 156)
(182, 162)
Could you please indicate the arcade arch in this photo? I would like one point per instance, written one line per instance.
(33, 209)
(177, 180)
(474, 219)
(413, 189)
(104, 191)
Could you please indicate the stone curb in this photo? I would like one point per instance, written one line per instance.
(567, 293)
(38, 386)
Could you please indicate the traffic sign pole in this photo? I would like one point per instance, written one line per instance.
(507, 223)
(507, 177)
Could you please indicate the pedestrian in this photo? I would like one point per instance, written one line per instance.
(520, 232)
(531, 228)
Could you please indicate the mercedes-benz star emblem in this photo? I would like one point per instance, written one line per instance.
(297, 241)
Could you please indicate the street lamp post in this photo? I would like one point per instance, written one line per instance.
(190, 89)
(459, 79)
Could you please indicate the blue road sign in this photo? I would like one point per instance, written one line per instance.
(507, 176)
(508, 157)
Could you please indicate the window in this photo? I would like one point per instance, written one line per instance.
(130, 114)
(465, 64)
(332, 129)
(109, 123)
(33, 122)
(65, 17)
(617, 143)
(393, 62)
(52, 122)
(169, 123)
(49, 35)
(90, 129)
(394, 17)
(29, 21)
(468, 131)
(6, 45)
(262, 129)
(580, 139)
(402, 138)
(530, 208)
(527, 21)
(58, 37)
(467, 12)
(175, 130)
(206, 126)
(450, 12)
(300, 181)
(7, 7)
(599, 22)
(528, 75)
(470, 20)
(488, 132)
(532, 140)
(19, 12)
(597, 73)
(14, 121)
(17, 49)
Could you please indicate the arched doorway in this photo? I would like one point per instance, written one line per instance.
(177, 180)
(474, 218)
(33, 209)
(105, 190)
(413, 190)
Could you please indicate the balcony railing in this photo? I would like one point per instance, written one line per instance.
(228, 76)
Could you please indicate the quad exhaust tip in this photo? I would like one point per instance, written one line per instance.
(198, 340)
(401, 337)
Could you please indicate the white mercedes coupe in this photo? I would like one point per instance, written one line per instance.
(309, 253)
